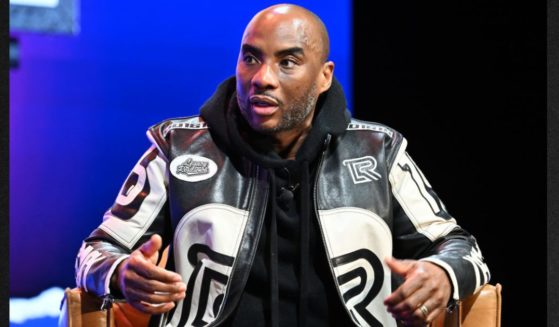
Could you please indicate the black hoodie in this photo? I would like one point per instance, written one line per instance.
(290, 274)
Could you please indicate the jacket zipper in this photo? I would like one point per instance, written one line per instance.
(315, 200)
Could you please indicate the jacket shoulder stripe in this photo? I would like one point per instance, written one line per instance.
(187, 123)
(356, 125)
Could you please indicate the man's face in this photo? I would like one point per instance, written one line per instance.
(278, 68)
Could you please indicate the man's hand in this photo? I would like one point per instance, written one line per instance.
(146, 286)
(423, 295)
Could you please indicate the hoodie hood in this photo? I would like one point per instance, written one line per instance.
(221, 113)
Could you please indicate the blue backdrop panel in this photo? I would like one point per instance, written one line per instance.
(80, 106)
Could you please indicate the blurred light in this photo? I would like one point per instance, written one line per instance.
(46, 304)
(45, 16)
(37, 3)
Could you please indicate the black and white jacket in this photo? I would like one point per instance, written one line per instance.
(370, 198)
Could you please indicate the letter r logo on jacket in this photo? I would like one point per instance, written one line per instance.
(362, 169)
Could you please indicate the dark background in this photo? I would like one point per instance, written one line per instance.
(552, 162)
(465, 82)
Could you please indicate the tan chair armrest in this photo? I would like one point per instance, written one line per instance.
(482, 309)
(81, 309)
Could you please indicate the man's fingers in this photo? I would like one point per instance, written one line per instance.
(150, 285)
(146, 286)
(137, 295)
(400, 267)
(142, 274)
(141, 280)
(434, 314)
(146, 267)
(150, 248)
(151, 308)
(427, 312)
(421, 316)
(150, 295)
(156, 286)
(423, 294)
(153, 272)
(407, 297)
(403, 295)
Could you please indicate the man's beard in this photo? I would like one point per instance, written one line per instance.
(293, 116)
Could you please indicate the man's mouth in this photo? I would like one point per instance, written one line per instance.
(263, 105)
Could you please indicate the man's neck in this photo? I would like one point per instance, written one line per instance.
(286, 144)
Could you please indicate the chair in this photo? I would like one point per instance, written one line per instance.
(80, 309)
(482, 309)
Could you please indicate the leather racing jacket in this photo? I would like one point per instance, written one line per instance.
(370, 199)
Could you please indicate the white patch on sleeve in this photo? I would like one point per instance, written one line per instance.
(409, 187)
(129, 231)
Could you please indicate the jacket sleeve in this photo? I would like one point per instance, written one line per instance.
(424, 230)
(139, 211)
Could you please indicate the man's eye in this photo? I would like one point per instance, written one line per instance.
(288, 63)
(249, 59)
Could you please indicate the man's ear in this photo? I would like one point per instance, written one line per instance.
(325, 77)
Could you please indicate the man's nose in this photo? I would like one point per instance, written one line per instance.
(265, 77)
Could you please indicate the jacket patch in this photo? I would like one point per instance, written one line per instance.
(192, 168)
(362, 169)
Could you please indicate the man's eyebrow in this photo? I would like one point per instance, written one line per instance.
(252, 49)
(290, 51)
(281, 53)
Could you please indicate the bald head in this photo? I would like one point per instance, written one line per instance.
(310, 26)
(282, 69)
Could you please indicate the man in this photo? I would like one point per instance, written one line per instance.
(279, 208)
